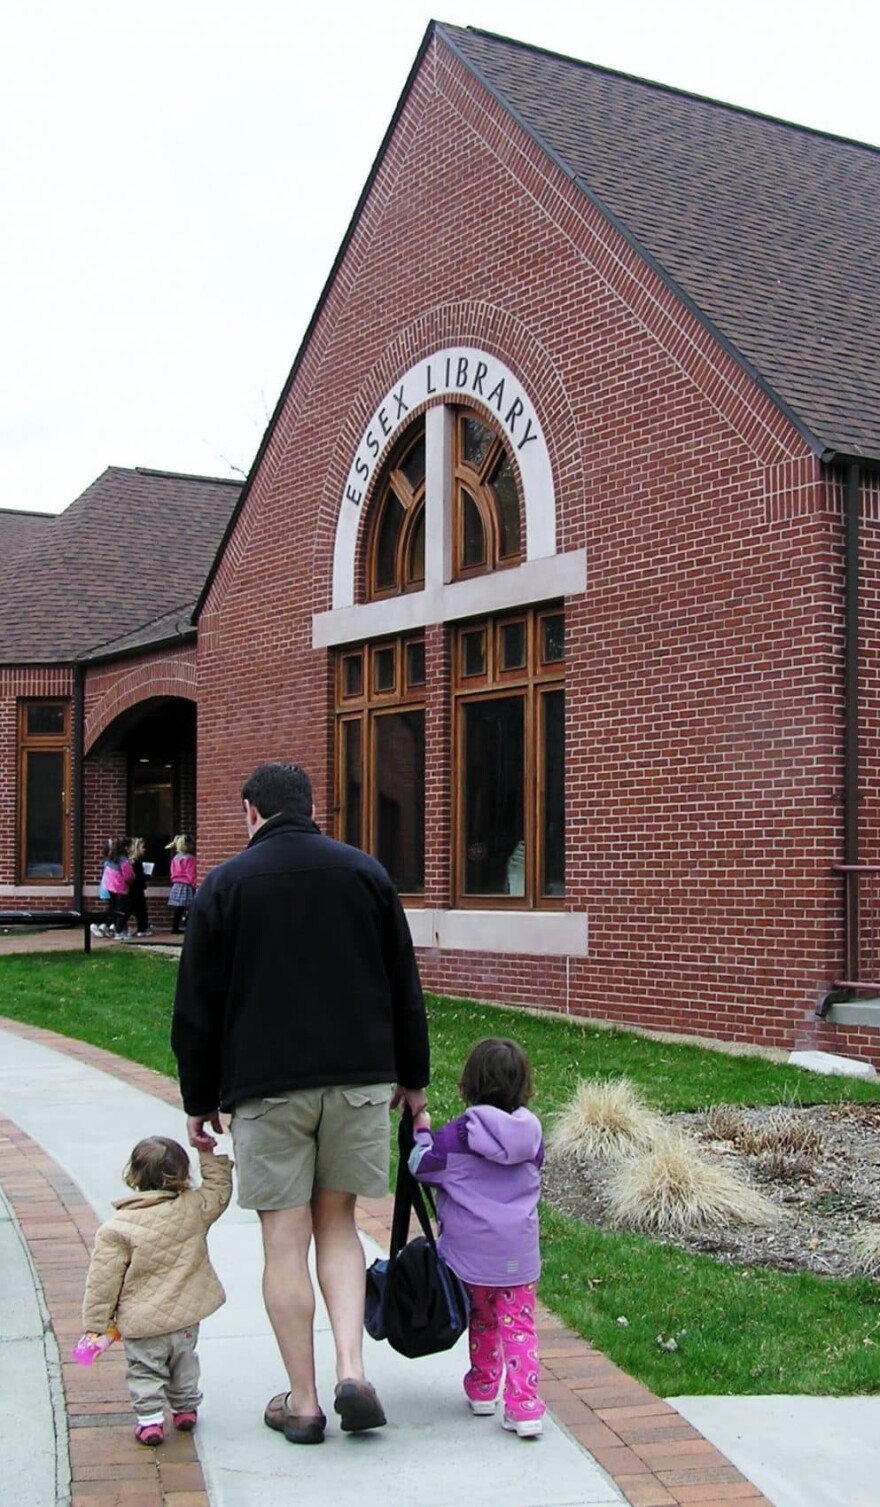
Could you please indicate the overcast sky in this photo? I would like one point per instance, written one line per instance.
(176, 179)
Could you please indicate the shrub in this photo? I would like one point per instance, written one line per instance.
(673, 1188)
(605, 1118)
(866, 1245)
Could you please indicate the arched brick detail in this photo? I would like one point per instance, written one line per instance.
(140, 683)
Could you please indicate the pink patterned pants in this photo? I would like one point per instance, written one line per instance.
(503, 1343)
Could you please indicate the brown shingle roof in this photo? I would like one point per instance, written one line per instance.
(19, 529)
(772, 231)
(122, 566)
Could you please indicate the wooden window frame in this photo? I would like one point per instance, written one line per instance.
(367, 707)
(532, 683)
(412, 499)
(29, 743)
(477, 481)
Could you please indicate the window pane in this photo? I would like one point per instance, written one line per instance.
(473, 537)
(415, 570)
(351, 783)
(415, 664)
(400, 798)
(386, 543)
(413, 466)
(504, 485)
(513, 646)
(493, 794)
(44, 845)
(383, 670)
(475, 442)
(45, 719)
(553, 815)
(552, 638)
(473, 652)
(353, 675)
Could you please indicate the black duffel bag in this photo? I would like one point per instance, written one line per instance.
(413, 1299)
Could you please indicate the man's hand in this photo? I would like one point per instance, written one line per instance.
(414, 1098)
(197, 1135)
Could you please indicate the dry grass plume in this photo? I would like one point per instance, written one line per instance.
(605, 1118)
(671, 1187)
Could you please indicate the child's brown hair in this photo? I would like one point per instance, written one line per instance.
(497, 1072)
(157, 1163)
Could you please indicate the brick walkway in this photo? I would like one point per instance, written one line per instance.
(656, 1458)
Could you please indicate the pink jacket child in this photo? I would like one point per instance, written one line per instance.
(183, 879)
(116, 876)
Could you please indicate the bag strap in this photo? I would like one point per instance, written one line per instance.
(409, 1195)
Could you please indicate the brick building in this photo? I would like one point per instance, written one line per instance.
(558, 563)
(98, 678)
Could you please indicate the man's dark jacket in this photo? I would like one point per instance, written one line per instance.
(297, 971)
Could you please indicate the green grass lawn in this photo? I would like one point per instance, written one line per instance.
(737, 1330)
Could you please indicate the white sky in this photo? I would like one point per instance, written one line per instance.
(176, 178)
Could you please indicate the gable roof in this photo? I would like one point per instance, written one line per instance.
(18, 529)
(771, 231)
(118, 571)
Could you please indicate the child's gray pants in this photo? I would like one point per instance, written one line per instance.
(163, 1368)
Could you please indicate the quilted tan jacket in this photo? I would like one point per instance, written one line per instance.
(150, 1272)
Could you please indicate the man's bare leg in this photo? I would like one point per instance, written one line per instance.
(340, 1266)
(290, 1300)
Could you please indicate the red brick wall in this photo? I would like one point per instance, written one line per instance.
(703, 675)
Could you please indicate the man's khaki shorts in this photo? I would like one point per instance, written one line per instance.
(288, 1145)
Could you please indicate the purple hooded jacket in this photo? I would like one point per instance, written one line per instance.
(486, 1167)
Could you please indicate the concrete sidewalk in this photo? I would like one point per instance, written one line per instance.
(76, 1124)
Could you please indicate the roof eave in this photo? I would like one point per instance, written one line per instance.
(133, 651)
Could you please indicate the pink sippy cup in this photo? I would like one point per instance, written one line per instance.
(89, 1346)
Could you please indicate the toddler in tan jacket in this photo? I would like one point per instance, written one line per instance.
(151, 1276)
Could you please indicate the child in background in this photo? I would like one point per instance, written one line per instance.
(486, 1167)
(183, 879)
(116, 875)
(151, 1277)
(137, 890)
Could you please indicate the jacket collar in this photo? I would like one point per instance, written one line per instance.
(283, 822)
(146, 1199)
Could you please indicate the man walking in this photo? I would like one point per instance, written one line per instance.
(298, 1005)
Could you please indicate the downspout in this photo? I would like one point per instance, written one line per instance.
(78, 782)
(851, 711)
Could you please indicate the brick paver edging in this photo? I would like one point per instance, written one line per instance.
(655, 1457)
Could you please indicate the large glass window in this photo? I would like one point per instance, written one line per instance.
(506, 793)
(509, 737)
(380, 755)
(44, 777)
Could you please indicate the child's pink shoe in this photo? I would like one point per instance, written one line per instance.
(150, 1433)
(186, 1422)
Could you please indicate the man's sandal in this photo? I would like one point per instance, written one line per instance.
(297, 1428)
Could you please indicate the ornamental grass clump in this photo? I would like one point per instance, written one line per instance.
(672, 1188)
(606, 1118)
(866, 1247)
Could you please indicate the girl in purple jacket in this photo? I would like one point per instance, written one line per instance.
(486, 1167)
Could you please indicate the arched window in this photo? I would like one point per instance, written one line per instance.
(506, 790)
(486, 511)
(396, 552)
